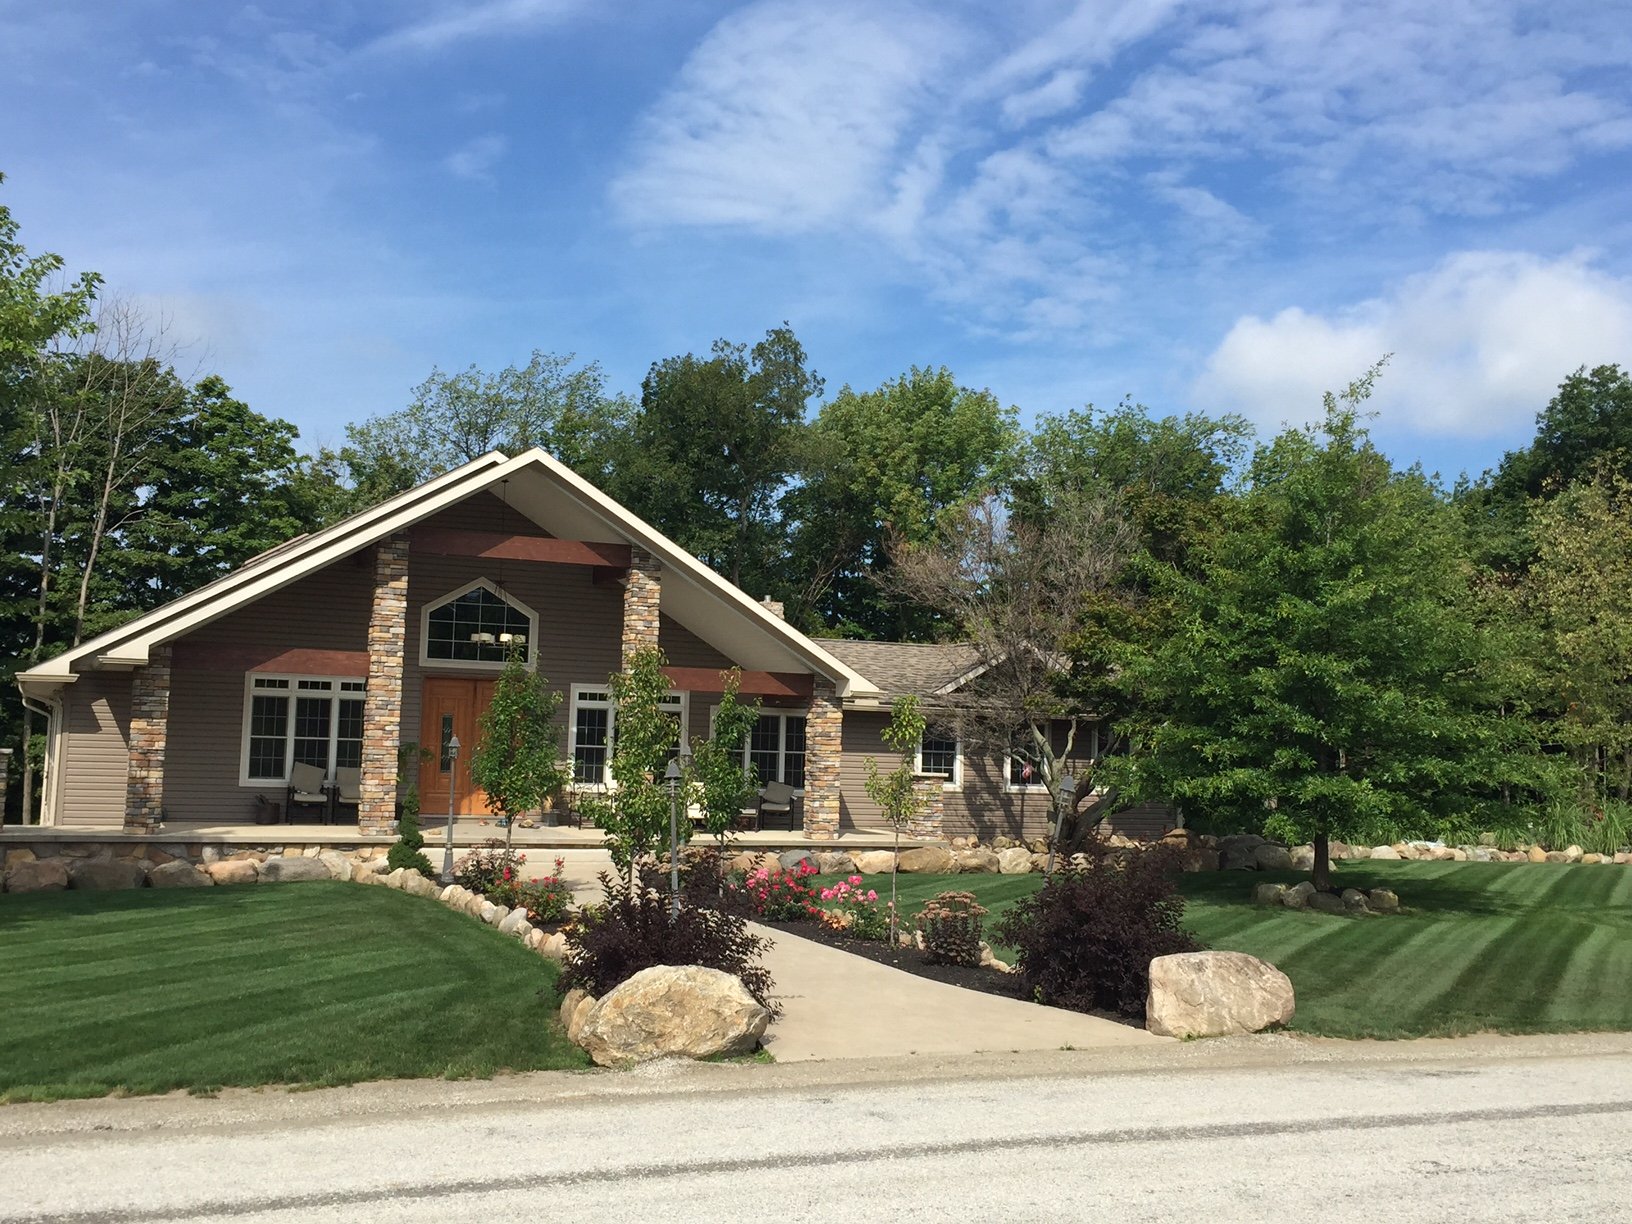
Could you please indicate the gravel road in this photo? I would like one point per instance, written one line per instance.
(1258, 1129)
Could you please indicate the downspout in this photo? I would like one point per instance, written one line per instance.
(48, 772)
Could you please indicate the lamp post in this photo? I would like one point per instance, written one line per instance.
(1063, 795)
(453, 774)
(672, 776)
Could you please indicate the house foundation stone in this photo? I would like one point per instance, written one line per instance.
(382, 703)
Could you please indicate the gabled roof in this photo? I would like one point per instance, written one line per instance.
(693, 594)
(917, 669)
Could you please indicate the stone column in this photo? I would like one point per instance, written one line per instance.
(640, 602)
(930, 821)
(382, 704)
(149, 736)
(823, 745)
(5, 777)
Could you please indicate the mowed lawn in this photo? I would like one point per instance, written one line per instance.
(1513, 948)
(311, 983)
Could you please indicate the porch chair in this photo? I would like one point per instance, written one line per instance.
(305, 790)
(777, 799)
(348, 788)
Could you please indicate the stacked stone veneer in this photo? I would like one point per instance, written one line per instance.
(823, 745)
(149, 735)
(382, 704)
(641, 600)
(932, 808)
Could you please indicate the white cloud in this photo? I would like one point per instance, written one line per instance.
(1479, 343)
(475, 159)
(786, 117)
(1059, 93)
(458, 22)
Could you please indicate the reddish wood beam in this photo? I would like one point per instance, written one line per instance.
(499, 545)
(206, 656)
(754, 683)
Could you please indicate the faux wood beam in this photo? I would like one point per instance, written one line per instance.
(505, 546)
(754, 683)
(206, 656)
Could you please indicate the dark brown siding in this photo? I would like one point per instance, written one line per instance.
(95, 751)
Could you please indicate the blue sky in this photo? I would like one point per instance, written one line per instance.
(1223, 207)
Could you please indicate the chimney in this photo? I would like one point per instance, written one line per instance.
(775, 607)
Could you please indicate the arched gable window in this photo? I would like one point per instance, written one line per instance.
(476, 626)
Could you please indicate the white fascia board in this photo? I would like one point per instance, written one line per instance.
(847, 681)
(129, 644)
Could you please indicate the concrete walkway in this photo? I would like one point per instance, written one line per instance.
(836, 1005)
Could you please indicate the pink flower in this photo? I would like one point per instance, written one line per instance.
(872, 895)
(855, 879)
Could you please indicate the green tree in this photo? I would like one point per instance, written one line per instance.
(896, 792)
(636, 814)
(1577, 593)
(883, 464)
(1324, 677)
(517, 757)
(712, 449)
(717, 774)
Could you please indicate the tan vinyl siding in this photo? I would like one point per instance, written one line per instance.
(95, 751)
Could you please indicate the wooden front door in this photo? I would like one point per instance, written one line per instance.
(450, 708)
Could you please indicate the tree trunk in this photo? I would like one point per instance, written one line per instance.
(1322, 876)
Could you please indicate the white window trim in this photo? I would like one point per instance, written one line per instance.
(610, 705)
(1038, 788)
(781, 715)
(492, 665)
(956, 781)
(335, 696)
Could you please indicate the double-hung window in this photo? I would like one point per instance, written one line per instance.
(775, 748)
(304, 720)
(594, 732)
(939, 756)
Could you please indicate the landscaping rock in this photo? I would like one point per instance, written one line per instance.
(1298, 895)
(978, 861)
(569, 1004)
(1383, 900)
(1384, 852)
(835, 862)
(18, 854)
(178, 874)
(106, 874)
(1200, 858)
(285, 870)
(875, 862)
(233, 871)
(1268, 894)
(1216, 994)
(927, 860)
(789, 860)
(340, 867)
(554, 946)
(1270, 857)
(1592, 858)
(1238, 852)
(1536, 854)
(1015, 860)
(667, 1011)
(418, 885)
(1303, 858)
(517, 924)
(36, 875)
(1039, 862)
(1327, 903)
(1556, 856)
(495, 915)
(533, 938)
(579, 1017)
(1355, 901)
(1572, 854)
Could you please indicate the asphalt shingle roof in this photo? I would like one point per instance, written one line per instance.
(901, 669)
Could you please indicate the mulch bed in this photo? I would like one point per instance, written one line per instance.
(909, 960)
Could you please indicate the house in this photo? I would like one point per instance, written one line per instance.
(324, 656)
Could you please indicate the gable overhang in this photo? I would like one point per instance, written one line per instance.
(536, 485)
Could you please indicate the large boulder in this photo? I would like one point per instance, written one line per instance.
(875, 862)
(789, 860)
(978, 861)
(340, 867)
(1238, 852)
(1303, 858)
(835, 862)
(1298, 895)
(179, 874)
(233, 871)
(668, 1011)
(1272, 857)
(1383, 852)
(1014, 861)
(1355, 901)
(1383, 901)
(1216, 994)
(36, 875)
(928, 860)
(105, 874)
(1327, 903)
(280, 870)
(420, 886)
(1268, 894)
